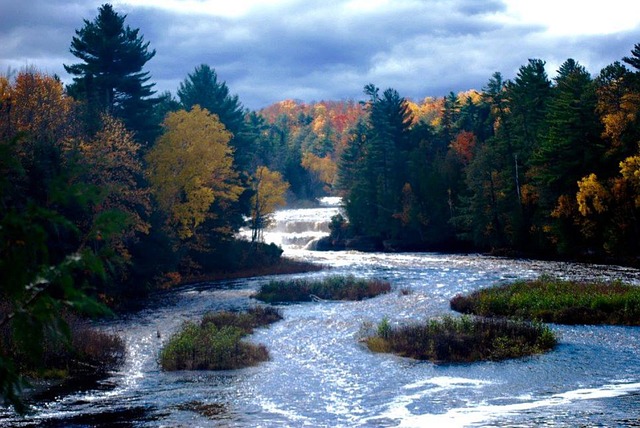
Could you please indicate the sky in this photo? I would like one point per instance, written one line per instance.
(312, 50)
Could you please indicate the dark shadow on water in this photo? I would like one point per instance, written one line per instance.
(50, 391)
(124, 417)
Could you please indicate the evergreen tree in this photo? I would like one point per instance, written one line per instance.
(353, 180)
(110, 76)
(450, 115)
(528, 97)
(634, 59)
(380, 164)
(570, 149)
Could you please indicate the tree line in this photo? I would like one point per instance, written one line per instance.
(533, 166)
(109, 191)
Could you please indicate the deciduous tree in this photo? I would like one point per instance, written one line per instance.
(203, 88)
(190, 167)
(269, 191)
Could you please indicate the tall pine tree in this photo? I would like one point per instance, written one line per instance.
(110, 76)
(570, 149)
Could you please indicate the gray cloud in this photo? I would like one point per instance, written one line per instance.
(314, 50)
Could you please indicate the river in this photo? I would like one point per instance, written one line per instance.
(319, 374)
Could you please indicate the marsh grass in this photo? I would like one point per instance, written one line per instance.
(553, 300)
(463, 339)
(330, 288)
(215, 343)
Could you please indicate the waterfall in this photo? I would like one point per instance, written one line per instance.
(300, 228)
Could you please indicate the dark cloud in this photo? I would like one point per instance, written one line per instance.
(313, 50)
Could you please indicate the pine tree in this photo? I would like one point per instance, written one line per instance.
(634, 59)
(528, 96)
(110, 77)
(377, 158)
(570, 149)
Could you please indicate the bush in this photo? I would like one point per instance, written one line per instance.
(215, 343)
(85, 351)
(256, 316)
(463, 339)
(552, 300)
(330, 288)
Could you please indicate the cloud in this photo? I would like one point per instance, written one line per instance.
(314, 50)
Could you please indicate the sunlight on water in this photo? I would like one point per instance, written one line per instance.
(320, 375)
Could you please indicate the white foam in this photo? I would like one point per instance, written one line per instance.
(447, 382)
(460, 417)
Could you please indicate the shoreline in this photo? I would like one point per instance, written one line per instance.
(284, 266)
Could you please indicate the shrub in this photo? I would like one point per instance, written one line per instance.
(331, 288)
(83, 350)
(552, 300)
(384, 328)
(215, 343)
(94, 350)
(256, 316)
(463, 339)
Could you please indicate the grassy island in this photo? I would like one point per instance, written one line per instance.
(462, 339)
(549, 299)
(215, 343)
(330, 288)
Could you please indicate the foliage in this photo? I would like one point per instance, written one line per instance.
(304, 142)
(322, 168)
(254, 317)
(111, 163)
(89, 351)
(527, 166)
(463, 339)
(268, 193)
(202, 88)
(553, 300)
(62, 230)
(329, 288)
(215, 343)
(190, 167)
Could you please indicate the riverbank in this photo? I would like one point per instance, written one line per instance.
(343, 241)
(284, 266)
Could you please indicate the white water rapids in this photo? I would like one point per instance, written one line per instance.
(319, 374)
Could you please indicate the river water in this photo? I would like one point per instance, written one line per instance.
(319, 374)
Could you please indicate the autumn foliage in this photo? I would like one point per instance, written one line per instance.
(190, 167)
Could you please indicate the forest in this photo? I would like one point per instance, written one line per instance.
(109, 190)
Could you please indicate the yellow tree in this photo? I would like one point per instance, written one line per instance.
(190, 167)
(612, 206)
(630, 171)
(323, 169)
(269, 191)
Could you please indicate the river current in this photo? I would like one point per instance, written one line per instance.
(320, 375)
